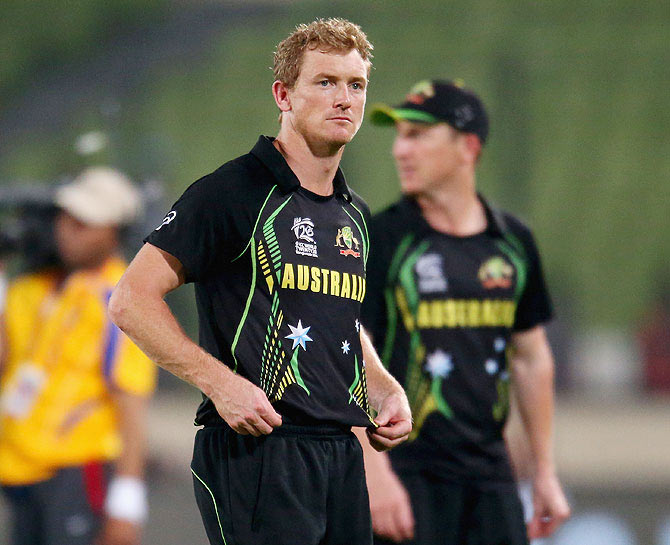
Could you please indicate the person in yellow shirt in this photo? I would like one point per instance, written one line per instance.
(73, 387)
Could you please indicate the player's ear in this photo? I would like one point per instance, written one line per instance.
(280, 92)
(473, 146)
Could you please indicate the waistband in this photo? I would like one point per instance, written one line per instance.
(312, 430)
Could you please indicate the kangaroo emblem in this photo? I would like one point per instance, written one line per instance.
(346, 235)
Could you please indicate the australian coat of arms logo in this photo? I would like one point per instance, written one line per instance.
(496, 273)
(347, 242)
(420, 92)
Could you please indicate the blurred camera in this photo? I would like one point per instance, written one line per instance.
(28, 211)
(27, 215)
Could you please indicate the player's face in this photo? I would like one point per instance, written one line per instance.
(80, 245)
(328, 99)
(427, 156)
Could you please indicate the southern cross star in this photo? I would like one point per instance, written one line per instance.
(358, 325)
(439, 364)
(299, 335)
(345, 347)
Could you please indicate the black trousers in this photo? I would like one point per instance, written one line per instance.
(297, 486)
(455, 513)
(63, 510)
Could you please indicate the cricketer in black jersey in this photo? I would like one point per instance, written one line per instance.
(441, 310)
(277, 245)
(456, 301)
(279, 277)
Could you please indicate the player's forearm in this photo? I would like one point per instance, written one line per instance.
(149, 322)
(534, 379)
(380, 382)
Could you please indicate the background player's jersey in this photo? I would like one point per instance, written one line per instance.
(279, 275)
(441, 310)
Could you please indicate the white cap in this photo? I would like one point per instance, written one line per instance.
(100, 196)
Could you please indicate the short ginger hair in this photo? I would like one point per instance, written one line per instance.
(327, 35)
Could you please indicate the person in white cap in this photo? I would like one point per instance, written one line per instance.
(73, 387)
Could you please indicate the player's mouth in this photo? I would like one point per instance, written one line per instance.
(341, 118)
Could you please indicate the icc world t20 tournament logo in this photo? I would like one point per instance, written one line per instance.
(496, 273)
(303, 228)
(345, 239)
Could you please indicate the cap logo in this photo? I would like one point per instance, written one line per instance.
(420, 92)
(463, 115)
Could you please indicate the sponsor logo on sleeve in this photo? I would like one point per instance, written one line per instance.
(167, 219)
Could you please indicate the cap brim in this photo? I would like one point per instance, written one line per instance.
(384, 115)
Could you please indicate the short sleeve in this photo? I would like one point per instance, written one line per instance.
(202, 230)
(534, 305)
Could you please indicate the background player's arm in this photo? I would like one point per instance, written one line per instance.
(132, 412)
(394, 418)
(390, 506)
(532, 368)
(137, 307)
(3, 330)
(3, 343)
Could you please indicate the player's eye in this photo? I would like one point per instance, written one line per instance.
(324, 83)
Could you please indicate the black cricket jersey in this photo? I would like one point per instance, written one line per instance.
(441, 310)
(279, 276)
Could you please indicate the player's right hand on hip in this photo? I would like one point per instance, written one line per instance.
(246, 408)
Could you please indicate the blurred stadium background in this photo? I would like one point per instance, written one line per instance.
(579, 99)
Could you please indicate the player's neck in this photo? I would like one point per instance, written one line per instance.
(314, 168)
(454, 209)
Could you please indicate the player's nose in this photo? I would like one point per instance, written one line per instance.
(401, 148)
(342, 97)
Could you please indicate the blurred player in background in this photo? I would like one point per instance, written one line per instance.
(276, 244)
(74, 389)
(456, 289)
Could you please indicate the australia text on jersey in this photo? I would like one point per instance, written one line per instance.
(448, 313)
(322, 280)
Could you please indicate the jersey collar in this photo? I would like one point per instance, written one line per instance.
(496, 225)
(287, 181)
(495, 221)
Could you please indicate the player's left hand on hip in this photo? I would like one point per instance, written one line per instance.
(118, 532)
(394, 423)
(550, 507)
